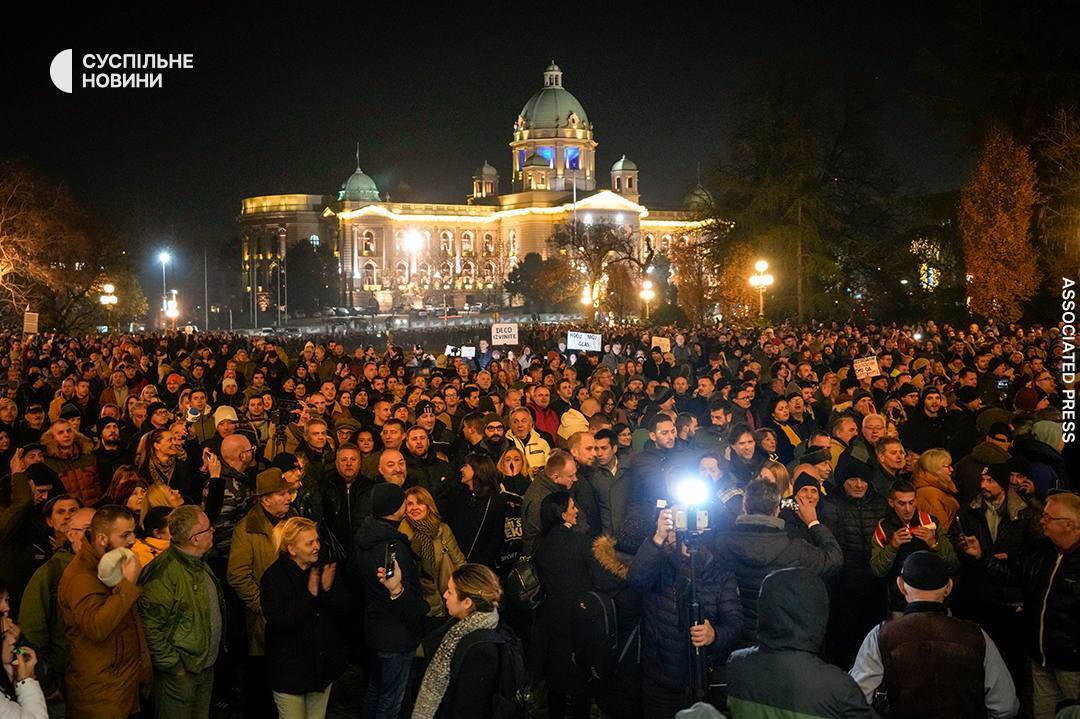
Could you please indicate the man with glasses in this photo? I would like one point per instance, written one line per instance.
(1048, 573)
(183, 609)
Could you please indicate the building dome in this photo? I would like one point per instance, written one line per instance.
(487, 171)
(698, 199)
(359, 187)
(623, 164)
(552, 107)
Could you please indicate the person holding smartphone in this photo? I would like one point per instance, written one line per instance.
(20, 693)
(394, 604)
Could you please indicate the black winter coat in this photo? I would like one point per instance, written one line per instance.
(305, 644)
(345, 508)
(477, 523)
(649, 474)
(758, 545)
(1052, 606)
(664, 584)
(562, 558)
(431, 473)
(473, 680)
(852, 522)
(389, 625)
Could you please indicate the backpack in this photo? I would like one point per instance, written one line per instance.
(523, 584)
(596, 637)
(512, 693)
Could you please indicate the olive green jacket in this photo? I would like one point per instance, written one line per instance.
(175, 613)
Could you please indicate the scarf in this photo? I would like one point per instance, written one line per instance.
(437, 676)
(162, 471)
(425, 532)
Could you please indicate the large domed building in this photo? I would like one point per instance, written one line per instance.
(397, 252)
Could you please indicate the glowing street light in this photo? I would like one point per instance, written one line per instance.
(108, 299)
(647, 295)
(761, 281)
(164, 258)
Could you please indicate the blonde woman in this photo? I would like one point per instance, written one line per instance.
(306, 612)
(935, 491)
(472, 598)
(433, 541)
(777, 474)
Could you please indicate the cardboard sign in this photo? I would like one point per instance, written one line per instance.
(662, 342)
(866, 367)
(504, 334)
(583, 341)
(468, 352)
(30, 323)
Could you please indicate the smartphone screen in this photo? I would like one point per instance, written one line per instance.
(391, 557)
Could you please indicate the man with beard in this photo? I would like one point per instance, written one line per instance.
(109, 453)
(650, 468)
(426, 470)
(392, 469)
(440, 437)
(926, 427)
(108, 659)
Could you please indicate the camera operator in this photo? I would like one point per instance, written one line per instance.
(661, 570)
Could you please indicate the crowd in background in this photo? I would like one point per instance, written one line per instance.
(198, 521)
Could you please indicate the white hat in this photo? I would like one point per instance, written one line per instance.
(109, 566)
(224, 414)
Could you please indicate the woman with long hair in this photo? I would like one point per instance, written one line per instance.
(787, 436)
(777, 474)
(512, 471)
(562, 557)
(433, 541)
(476, 511)
(935, 491)
(161, 459)
(463, 675)
(306, 610)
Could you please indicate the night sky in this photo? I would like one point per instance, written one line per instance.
(277, 100)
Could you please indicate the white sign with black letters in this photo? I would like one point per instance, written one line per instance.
(504, 334)
(583, 341)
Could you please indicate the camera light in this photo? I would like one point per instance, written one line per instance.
(691, 492)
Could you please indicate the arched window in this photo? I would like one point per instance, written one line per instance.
(368, 242)
(423, 274)
(468, 271)
(368, 274)
(487, 272)
(399, 242)
(401, 273)
(618, 184)
(446, 243)
(466, 242)
(513, 244)
(314, 240)
(665, 243)
(489, 244)
(630, 183)
(446, 275)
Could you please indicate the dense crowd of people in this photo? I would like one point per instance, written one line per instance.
(687, 520)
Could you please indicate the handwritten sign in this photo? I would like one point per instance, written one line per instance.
(866, 367)
(504, 334)
(662, 342)
(468, 352)
(583, 341)
(30, 323)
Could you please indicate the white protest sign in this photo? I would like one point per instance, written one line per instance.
(504, 334)
(866, 367)
(450, 350)
(468, 352)
(583, 341)
(662, 342)
(30, 323)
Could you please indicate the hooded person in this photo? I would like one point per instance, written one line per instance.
(782, 675)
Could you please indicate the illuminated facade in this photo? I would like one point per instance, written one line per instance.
(406, 253)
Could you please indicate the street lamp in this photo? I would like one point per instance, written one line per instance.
(108, 299)
(164, 257)
(647, 295)
(761, 281)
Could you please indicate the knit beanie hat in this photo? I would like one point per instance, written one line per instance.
(925, 570)
(386, 498)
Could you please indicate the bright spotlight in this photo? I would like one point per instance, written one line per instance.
(692, 492)
(164, 257)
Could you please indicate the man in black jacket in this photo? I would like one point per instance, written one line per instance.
(1048, 573)
(783, 674)
(346, 495)
(650, 467)
(758, 544)
(851, 510)
(394, 604)
(423, 467)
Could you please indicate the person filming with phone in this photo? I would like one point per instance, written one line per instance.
(394, 604)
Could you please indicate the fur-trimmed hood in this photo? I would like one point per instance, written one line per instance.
(609, 558)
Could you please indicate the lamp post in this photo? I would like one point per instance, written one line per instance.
(761, 281)
(163, 258)
(647, 295)
(108, 299)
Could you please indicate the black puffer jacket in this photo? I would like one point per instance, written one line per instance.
(783, 676)
(852, 522)
(1051, 583)
(665, 610)
(758, 545)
